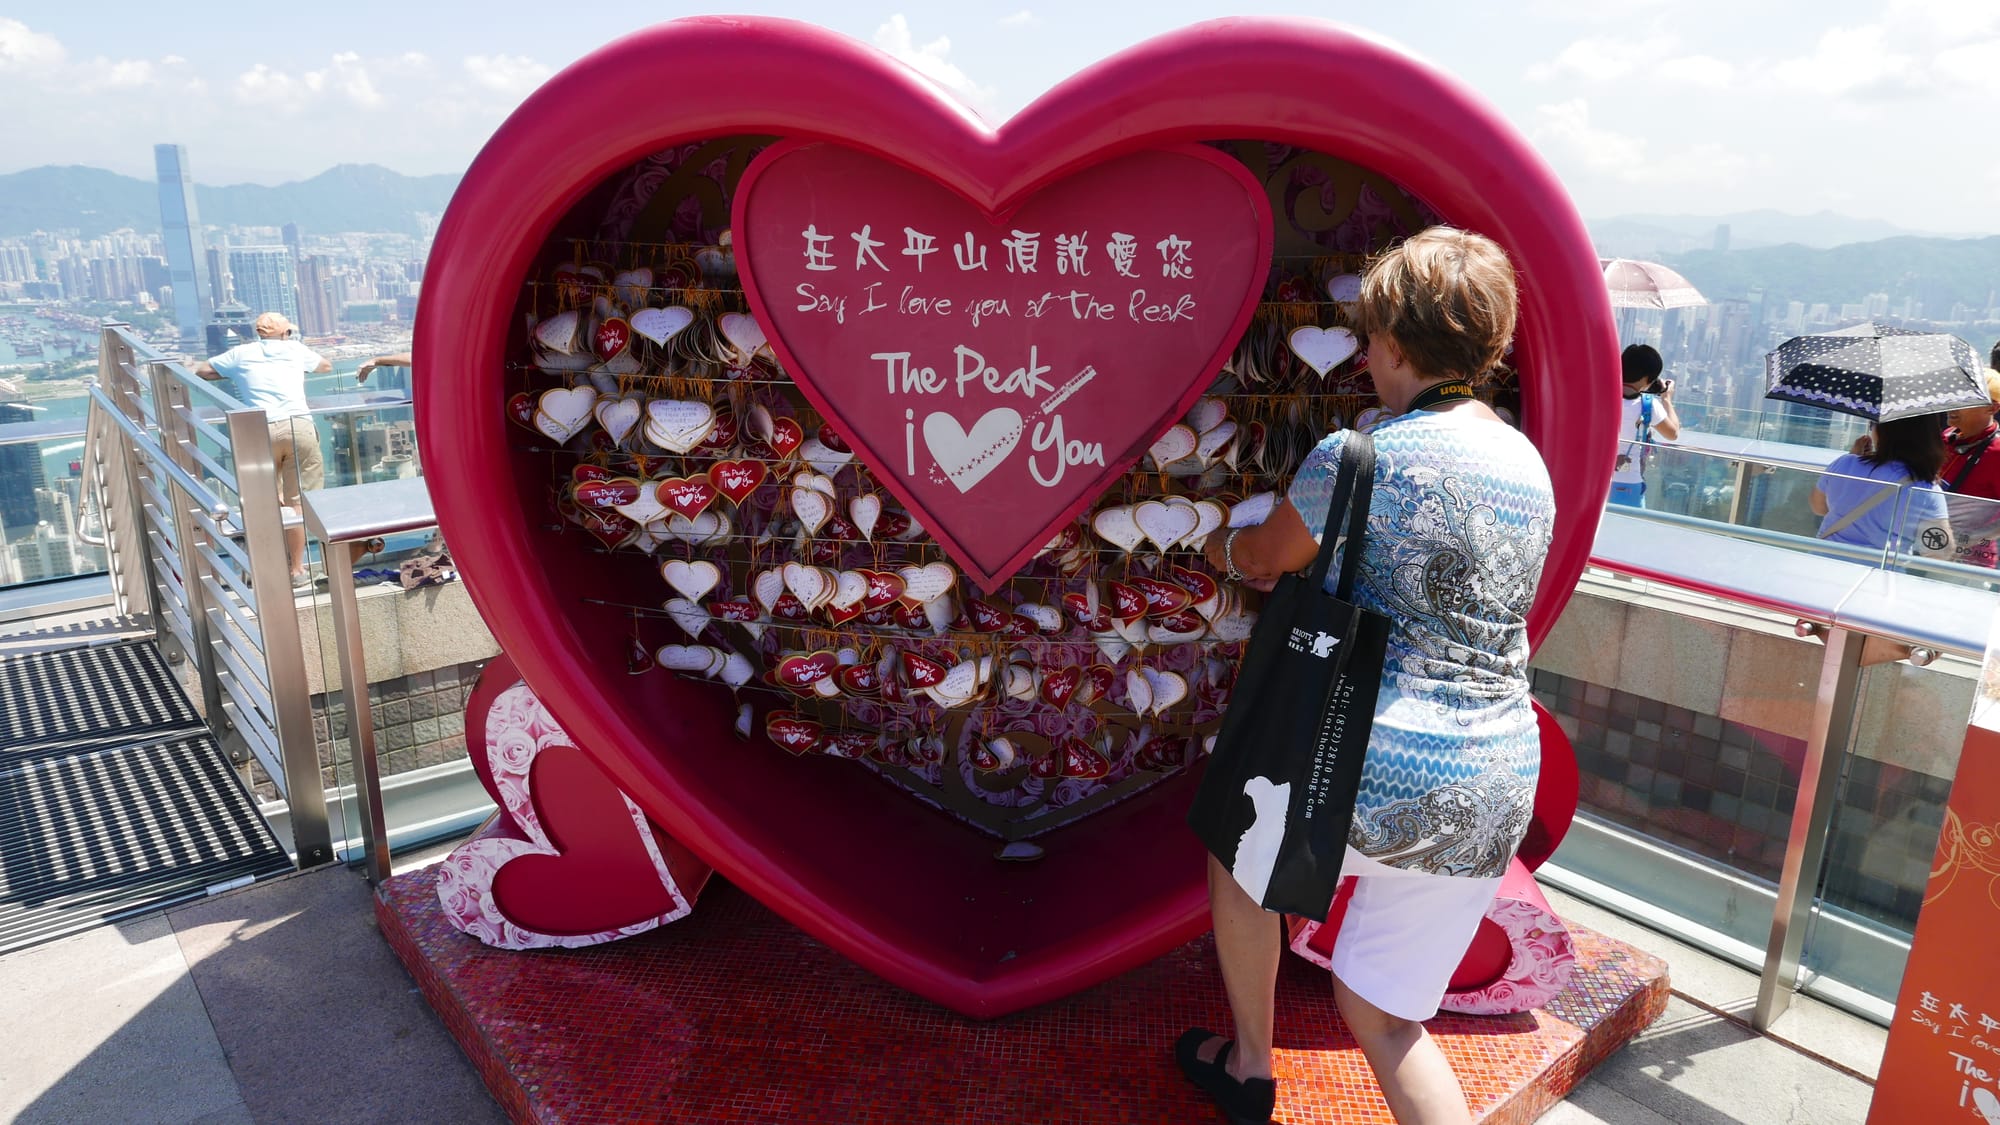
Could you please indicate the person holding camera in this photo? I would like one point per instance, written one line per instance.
(271, 373)
(1648, 417)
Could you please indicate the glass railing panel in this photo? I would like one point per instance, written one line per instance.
(1895, 778)
(424, 649)
(1794, 425)
(367, 442)
(1948, 537)
(44, 520)
(1767, 501)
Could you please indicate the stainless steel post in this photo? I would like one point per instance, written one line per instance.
(168, 396)
(107, 469)
(340, 559)
(284, 649)
(1812, 816)
(1741, 472)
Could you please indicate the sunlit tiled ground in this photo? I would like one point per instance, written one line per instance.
(734, 1015)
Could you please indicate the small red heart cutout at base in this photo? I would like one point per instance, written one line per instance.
(569, 861)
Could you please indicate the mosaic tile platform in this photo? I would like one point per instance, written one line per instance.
(734, 1015)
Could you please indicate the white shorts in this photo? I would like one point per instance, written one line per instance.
(1405, 933)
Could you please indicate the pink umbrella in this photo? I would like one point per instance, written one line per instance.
(1647, 285)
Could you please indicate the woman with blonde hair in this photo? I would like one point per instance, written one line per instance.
(1459, 528)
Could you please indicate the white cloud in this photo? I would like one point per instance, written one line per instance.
(1848, 60)
(507, 74)
(124, 74)
(23, 48)
(1563, 129)
(1602, 59)
(349, 77)
(1974, 65)
(1595, 11)
(931, 61)
(345, 77)
(1705, 71)
(1022, 18)
(1944, 21)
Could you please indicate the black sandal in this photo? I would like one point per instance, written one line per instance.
(1249, 1102)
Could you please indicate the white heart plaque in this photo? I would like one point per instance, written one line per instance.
(865, 510)
(677, 424)
(558, 333)
(813, 509)
(563, 411)
(1176, 443)
(618, 416)
(926, 584)
(744, 334)
(1323, 349)
(1165, 525)
(691, 580)
(690, 617)
(661, 325)
(1117, 527)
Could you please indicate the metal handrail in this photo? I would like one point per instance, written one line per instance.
(204, 560)
(55, 429)
(214, 505)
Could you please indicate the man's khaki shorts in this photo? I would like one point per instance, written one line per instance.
(295, 449)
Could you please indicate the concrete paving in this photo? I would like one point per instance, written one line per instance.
(108, 1026)
(280, 1002)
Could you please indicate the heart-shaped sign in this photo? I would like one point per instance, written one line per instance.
(661, 325)
(764, 817)
(737, 479)
(1323, 349)
(982, 432)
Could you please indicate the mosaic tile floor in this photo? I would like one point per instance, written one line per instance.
(734, 1015)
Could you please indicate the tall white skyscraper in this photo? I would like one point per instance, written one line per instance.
(180, 227)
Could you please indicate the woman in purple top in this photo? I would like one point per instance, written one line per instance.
(1860, 511)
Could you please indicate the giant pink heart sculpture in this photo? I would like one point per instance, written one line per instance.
(902, 890)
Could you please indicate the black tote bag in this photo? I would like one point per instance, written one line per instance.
(1278, 798)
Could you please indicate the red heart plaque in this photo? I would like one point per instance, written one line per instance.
(996, 372)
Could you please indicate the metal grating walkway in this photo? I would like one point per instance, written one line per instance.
(115, 800)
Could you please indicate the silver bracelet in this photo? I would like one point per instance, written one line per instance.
(1229, 555)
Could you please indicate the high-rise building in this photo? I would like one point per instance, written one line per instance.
(43, 553)
(263, 279)
(21, 475)
(316, 306)
(180, 224)
(218, 278)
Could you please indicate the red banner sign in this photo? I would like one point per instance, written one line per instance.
(1943, 1058)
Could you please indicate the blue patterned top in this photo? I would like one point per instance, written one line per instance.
(1460, 526)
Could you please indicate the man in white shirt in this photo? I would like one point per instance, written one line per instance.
(1647, 418)
(271, 372)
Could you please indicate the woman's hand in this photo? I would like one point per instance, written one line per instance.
(1263, 551)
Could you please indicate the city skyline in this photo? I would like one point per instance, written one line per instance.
(1641, 106)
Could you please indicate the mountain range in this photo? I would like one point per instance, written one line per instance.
(1654, 236)
(1819, 257)
(1939, 272)
(346, 197)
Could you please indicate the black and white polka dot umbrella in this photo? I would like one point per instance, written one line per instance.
(1877, 372)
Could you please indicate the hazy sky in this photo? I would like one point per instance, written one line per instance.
(1876, 108)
